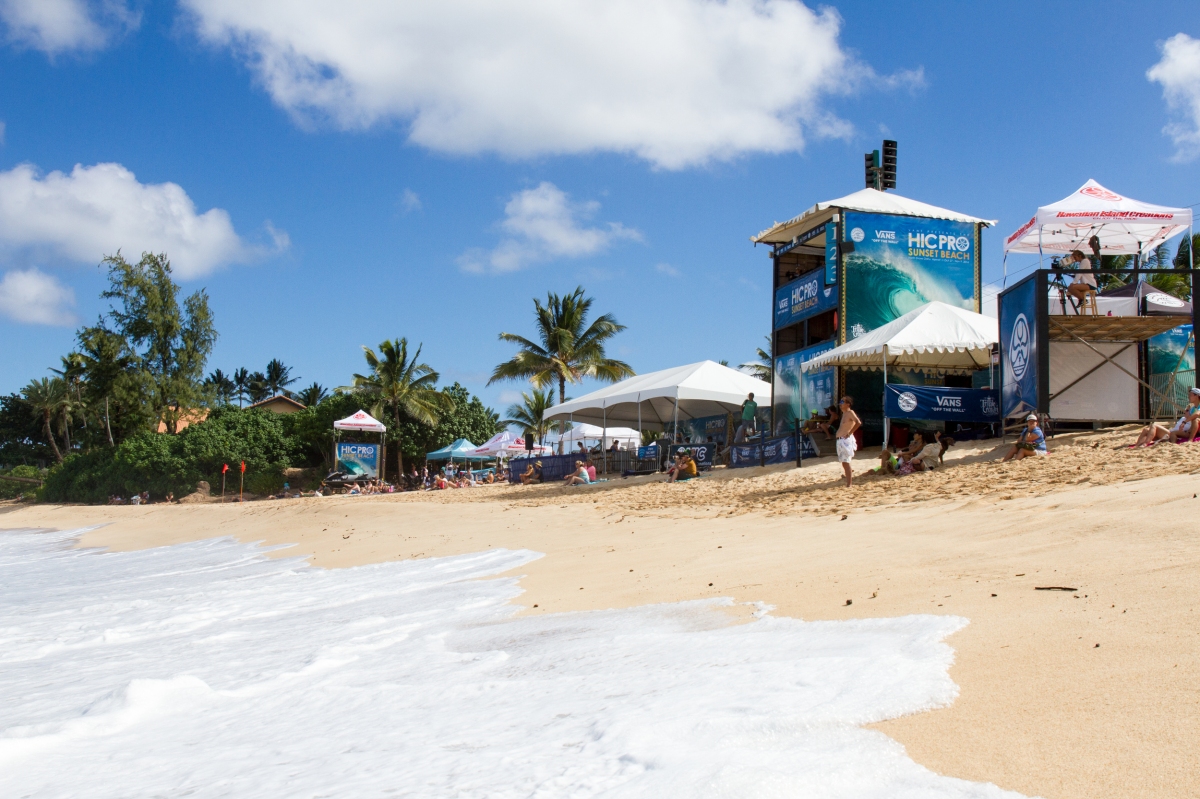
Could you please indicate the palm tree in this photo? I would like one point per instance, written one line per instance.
(46, 396)
(241, 384)
(313, 395)
(762, 367)
(257, 388)
(401, 383)
(530, 415)
(72, 373)
(223, 386)
(105, 358)
(278, 377)
(570, 349)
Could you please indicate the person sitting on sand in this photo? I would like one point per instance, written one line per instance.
(1030, 442)
(846, 443)
(929, 457)
(591, 469)
(579, 477)
(528, 476)
(685, 468)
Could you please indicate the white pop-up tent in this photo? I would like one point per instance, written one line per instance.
(656, 399)
(1124, 226)
(934, 337)
(360, 420)
(628, 437)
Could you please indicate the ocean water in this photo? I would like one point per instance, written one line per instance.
(210, 670)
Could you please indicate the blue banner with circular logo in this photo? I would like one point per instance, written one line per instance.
(942, 404)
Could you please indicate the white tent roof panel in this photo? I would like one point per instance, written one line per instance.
(935, 336)
(869, 201)
(360, 420)
(1124, 226)
(700, 389)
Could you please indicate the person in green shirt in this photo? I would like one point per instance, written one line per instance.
(749, 409)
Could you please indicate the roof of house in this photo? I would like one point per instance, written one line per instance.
(279, 398)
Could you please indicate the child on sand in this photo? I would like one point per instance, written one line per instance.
(846, 443)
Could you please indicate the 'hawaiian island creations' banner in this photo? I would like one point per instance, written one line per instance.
(899, 263)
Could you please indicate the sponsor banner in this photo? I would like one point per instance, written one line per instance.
(1173, 351)
(804, 297)
(774, 450)
(701, 453)
(1019, 349)
(942, 404)
(831, 254)
(698, 430)
(900, 263)
(358, 460)
(649, 451)
(790, 402)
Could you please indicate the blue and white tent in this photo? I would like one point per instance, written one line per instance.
(460, 450)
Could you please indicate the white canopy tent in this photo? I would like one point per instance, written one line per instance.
(934, 337)
(360, 420)
(628, 437)
(1124, 226)
(653, 400)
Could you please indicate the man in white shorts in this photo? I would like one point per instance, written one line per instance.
(846, 443)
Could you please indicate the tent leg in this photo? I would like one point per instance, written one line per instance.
(885, 417)
(800, 441)
(604, 437)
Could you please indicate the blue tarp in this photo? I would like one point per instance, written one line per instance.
(457, 451)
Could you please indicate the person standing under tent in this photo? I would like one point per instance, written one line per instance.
(847, 445)
(749, 410)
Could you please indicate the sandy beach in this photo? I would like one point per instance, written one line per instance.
(1084, 692)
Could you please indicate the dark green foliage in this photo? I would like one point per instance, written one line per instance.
(12, 490)
(21, 437)
(145, 462)
(467, 417)
(161, 463)
(168, 342)
(311, 430)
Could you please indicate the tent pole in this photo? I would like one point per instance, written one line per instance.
(885, 418)
(800, 441)
(604, 435)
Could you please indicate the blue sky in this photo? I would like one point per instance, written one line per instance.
(385, 172)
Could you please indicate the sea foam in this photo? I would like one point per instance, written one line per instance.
(211, 670)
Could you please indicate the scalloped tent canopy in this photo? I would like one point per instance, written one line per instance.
(360, 420)
(935, 337)
(1123, 225)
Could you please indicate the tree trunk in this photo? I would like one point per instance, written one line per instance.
(562, 389)
(107, 424)
(399, 455)
(66, 431)
(50, 436)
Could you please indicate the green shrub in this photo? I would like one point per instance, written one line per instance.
(10, 490)
(147, 461)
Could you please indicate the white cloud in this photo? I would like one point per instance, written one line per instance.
(1179, 73)
(540, 224)
(410, 201)
(676, 82)
(668, 270)
(56, 26)
(36, 298)
(96, 210)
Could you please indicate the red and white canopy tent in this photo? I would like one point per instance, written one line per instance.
(505, 444)
(1122, 225)
(360, 420)
(364, 422)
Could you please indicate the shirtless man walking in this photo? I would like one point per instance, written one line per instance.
(846, 443)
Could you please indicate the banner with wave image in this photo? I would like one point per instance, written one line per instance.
(900, 263)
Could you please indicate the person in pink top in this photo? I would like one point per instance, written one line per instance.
(591, 470)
